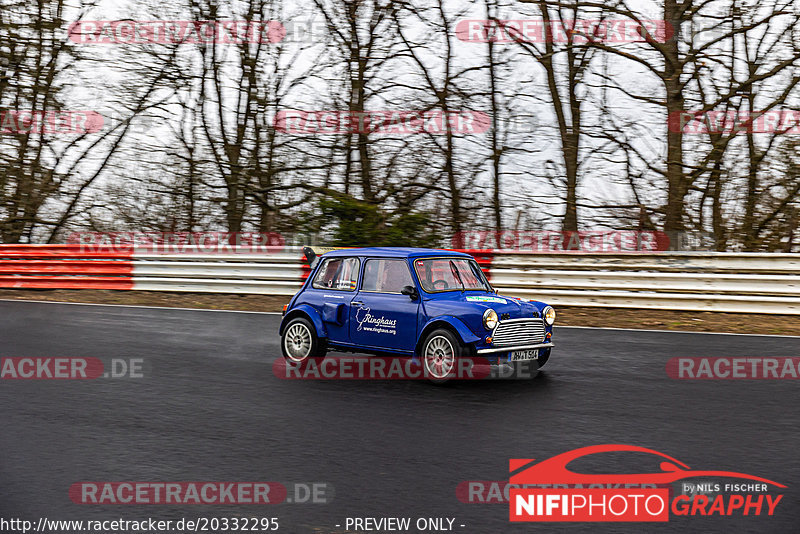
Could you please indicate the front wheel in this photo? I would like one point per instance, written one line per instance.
(299, 342)
(440, 354)
(530, 368)
(544, 355)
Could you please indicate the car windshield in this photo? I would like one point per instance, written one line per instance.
(450, 274)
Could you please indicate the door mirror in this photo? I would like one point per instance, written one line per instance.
(411, 291)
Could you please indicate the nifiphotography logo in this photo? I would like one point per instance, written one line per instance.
(579, 497)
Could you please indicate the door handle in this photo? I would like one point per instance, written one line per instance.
(357, 302)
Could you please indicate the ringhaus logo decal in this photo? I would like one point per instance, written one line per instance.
(578, 497)
(370, 323)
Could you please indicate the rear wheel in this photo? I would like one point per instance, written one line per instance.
(300, 343)
(440, 355)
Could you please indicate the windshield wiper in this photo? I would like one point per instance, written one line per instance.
(458, 276)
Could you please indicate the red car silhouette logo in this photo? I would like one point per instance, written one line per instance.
(554, 470)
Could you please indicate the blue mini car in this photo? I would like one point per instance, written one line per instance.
(436, 305)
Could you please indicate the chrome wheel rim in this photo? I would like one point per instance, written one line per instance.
(297, 342)
(440, 357)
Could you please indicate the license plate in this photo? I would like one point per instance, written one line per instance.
(530, 354)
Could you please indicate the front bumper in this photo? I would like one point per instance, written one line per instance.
(511, 349)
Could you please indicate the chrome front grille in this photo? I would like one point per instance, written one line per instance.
(518, 332)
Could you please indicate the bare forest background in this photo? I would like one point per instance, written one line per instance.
(578, 137)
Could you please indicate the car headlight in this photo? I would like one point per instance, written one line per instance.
(489, 319)
(549, 315)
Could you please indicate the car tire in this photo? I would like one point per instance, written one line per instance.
(440, 354)
(543, 357)
(525, 370)
(300, 343)
(530, 368)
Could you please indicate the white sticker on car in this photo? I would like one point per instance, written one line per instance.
(496, 300)
(377, 325)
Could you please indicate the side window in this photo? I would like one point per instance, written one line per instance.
(386, 276)
(337, 273)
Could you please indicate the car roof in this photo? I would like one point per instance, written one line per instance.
(395, 252)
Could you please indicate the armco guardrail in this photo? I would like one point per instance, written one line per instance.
(64, 267)
(697, 281)
(274, 272)
(707, 281)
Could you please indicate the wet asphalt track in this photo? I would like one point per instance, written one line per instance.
(210, 408)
